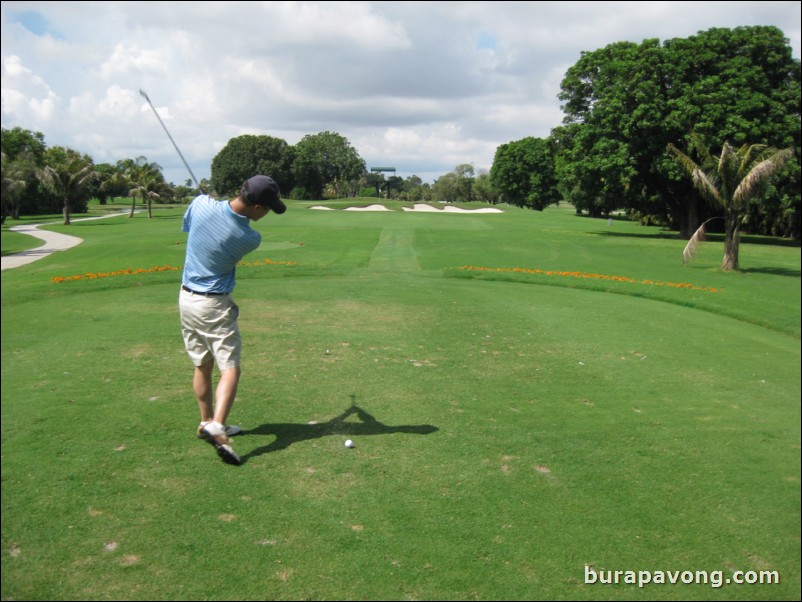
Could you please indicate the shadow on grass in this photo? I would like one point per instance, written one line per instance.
(177, 216)
(288, 433)
(748, 239)
(772, 271)
(651, 235)
(39, 252)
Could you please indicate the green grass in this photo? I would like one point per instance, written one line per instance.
(511, 427)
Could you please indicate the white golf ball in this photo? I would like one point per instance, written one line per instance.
(349, 443)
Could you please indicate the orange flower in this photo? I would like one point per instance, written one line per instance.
(627, 279)
(162, 268)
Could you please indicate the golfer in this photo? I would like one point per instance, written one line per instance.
(220, 235)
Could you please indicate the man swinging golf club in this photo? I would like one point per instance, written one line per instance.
(220, 235)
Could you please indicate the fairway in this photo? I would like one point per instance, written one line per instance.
(529, 394)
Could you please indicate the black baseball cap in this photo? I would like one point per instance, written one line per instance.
(263, 190)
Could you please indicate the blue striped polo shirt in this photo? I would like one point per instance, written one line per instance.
(218, 239)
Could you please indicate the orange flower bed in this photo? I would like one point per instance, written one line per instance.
(164, 268)
(539, 272)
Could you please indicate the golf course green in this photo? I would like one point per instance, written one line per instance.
(534, 398)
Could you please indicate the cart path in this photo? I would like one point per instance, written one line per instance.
(53, 241)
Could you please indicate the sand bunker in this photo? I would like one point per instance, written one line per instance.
(368, 208)
(450, 209)
(420, 207)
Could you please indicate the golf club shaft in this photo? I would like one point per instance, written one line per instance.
(194, 179)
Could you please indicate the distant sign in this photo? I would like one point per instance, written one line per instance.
(383, 169)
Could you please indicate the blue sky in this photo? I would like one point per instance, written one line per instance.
(420, 86)
(34, 22)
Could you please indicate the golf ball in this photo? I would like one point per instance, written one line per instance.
(349, 443)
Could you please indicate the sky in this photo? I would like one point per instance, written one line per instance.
(419, 86)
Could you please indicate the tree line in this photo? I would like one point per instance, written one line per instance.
(626, 106)
(38, 179)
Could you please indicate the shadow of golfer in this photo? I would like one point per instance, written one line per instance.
(288, 433)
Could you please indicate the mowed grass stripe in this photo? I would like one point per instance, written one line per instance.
(395, 251)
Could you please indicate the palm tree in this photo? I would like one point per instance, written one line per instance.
(730, 183)
(115, 183)
(16, 174)
(140, 175)
(357, 184)
(149, 185)
(67, 176)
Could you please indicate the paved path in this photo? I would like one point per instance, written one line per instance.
(53, 241)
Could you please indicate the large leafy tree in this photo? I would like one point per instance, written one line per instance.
(594, 172)
(17, 141)
(777, 211)
(740, 85)
(446, 188)
(249, 155)
(624, 103)
(730, 182)
(457, 185)
(614, 102)
(483, 189)
(523, 172)
(465, 178)
(323, 158)
(737, 84)
(68, 175)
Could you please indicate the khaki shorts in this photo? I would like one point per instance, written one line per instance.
(210, 330)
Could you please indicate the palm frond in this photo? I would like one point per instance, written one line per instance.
(705, 185)
(690, 249)
(701, 180)
(696, 240)
(759, 174)
(729, 164)
(749, 155)
(702, 151)
(684, 160)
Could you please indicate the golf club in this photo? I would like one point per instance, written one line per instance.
(194, 179)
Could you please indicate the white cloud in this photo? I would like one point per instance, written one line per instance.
(333, 23)
(423, 86)
(124, 60)
(25, 95)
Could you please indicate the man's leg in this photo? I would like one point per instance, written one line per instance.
(215, 431)
(225, 394)
(202, 386)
